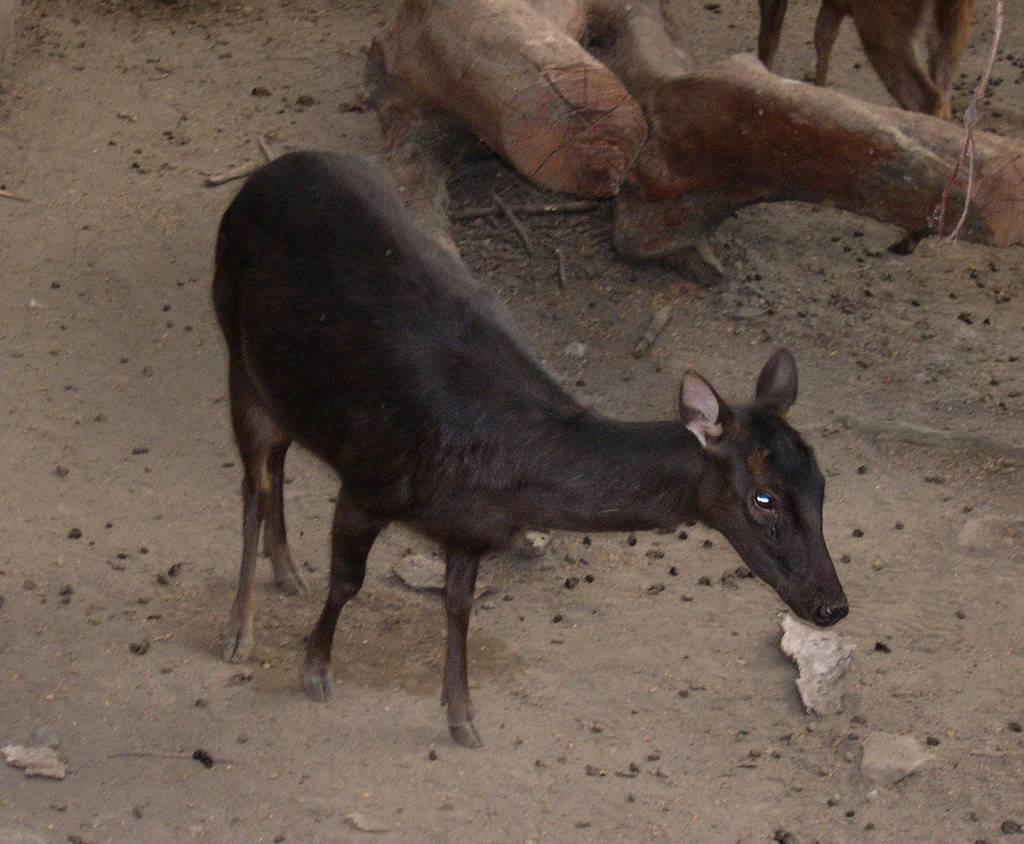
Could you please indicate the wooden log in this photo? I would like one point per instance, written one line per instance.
(720, 138)
(522, 85)
(734, 134)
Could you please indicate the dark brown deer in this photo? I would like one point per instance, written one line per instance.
(887, 29)
(354, 334)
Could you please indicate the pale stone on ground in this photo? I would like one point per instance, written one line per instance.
(888, 758)
(822, 658)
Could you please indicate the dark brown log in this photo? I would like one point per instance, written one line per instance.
(734, 134)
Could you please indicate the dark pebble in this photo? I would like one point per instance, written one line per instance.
(883, 648)
(783, 837)
(174, 570)
(708, 543)
(704, 581)
(588, 578)
(862, 470)
(631, 540)
(432, 754)
(61, 471)
(932, 741)
(556, 619)
(75, 533)
(66, 590)
(570, 582)
(1013, 726)
(857, 533)
(673, 571)
(656, 588)
(1009, 827)
(139, 647)
(684, 535)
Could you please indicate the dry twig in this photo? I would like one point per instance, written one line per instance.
(580, 207)
(514, 220)
(4, 194)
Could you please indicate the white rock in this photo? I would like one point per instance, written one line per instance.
(425, 573)
(35, 761)
(888, 758)
(822, 658)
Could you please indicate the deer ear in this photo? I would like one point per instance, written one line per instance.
(701, 408)
(776, 385)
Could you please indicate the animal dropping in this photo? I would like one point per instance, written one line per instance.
(355, 334)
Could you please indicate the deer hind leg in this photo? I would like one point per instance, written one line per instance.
(773, 12)
(275, 538)
(826, 29)
(947, 41)
(459, 588)
(887, 37)
(257, 437)
(352, 535)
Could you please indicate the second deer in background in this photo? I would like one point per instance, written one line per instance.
(887, 29)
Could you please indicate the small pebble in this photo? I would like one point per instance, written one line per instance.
(75, 533)
(881, 647)
(1014, 726)
(1010, 827)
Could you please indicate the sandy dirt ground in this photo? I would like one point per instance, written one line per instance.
(650, 701)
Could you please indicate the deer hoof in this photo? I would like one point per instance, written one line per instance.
(237, 648)
(317, 683)
(291, 583)
(465, 734)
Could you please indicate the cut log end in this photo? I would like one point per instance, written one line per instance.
(576, 130)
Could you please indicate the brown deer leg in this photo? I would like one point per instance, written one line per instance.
(257, 436)
(826, 30)
(946, 46)
(459, 586)
(275, 538)
(890, 50)
(352, 536)
(773, 12)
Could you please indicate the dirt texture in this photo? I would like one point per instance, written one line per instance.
(628, 688)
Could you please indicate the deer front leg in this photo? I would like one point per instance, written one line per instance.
(352, 536)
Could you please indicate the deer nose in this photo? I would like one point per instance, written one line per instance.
(828, 614)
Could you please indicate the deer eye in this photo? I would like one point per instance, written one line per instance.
(764, 500)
